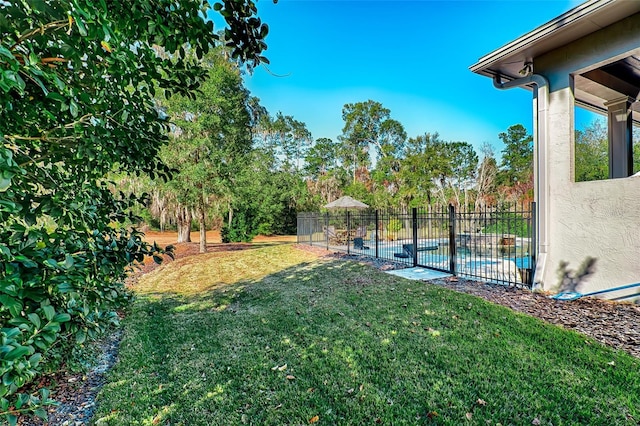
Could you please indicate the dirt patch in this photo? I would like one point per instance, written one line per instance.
(214, 245)
(213, 237)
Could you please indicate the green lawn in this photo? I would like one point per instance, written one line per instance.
(271, 336)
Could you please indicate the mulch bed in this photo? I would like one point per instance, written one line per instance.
(614, 324)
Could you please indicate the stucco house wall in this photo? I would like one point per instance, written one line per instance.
(599, 219)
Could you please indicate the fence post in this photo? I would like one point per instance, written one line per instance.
(452, 239)
(313, 221)
(376, 228)
(326, 229)
(414, 225)
(348, 230)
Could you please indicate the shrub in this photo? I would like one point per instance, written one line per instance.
(394, 225)
(241, 229)
(511, 224)
(76, 104)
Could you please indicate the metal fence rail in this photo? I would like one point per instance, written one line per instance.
(490, 245)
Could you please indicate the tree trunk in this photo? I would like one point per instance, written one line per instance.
(183, 222)
(203, 232)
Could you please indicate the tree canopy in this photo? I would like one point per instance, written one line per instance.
(517, 156)
(210, 142)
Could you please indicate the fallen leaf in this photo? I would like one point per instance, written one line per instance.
(350, 390)
(481, 402)
(277, 406)
(282, 368)
(468, 416)
(291, 377)
(611, 363)
(535, 421)
(310, 390)
(361, 387)
(432, 414)
(368, 324)
(314, 419)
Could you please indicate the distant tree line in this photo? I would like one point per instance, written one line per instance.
(238, 168)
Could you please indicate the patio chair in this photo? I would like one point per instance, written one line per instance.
(330, 232)
(358, 244)
(361, 232)
(408, 248)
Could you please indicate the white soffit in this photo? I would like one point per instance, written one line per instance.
(578, 22)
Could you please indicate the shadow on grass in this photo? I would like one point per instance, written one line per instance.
(351, 345)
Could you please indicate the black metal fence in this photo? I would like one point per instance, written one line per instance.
(490, 245)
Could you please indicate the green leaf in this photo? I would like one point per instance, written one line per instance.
(35, 319)
(56, 97)
(51, 263)
(81, 27)
(6, 53)
(62, 318)
(44, 394)
(22, 399)
(16, 353)
(65, 287)
(49, 312)
(11, 332)
(5, 183)
(13, 305)
(81, 336)
(28, 263)
(68, 261)
(41, 413)
(73, 108)
(35, 359)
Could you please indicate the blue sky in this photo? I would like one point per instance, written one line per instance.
(412, 56)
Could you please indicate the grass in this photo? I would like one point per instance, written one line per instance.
(271, 336)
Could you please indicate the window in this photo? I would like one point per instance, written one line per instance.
(607, 120)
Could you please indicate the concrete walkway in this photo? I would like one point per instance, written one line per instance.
(421, 274)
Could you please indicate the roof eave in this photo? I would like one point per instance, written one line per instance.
(554, 33)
